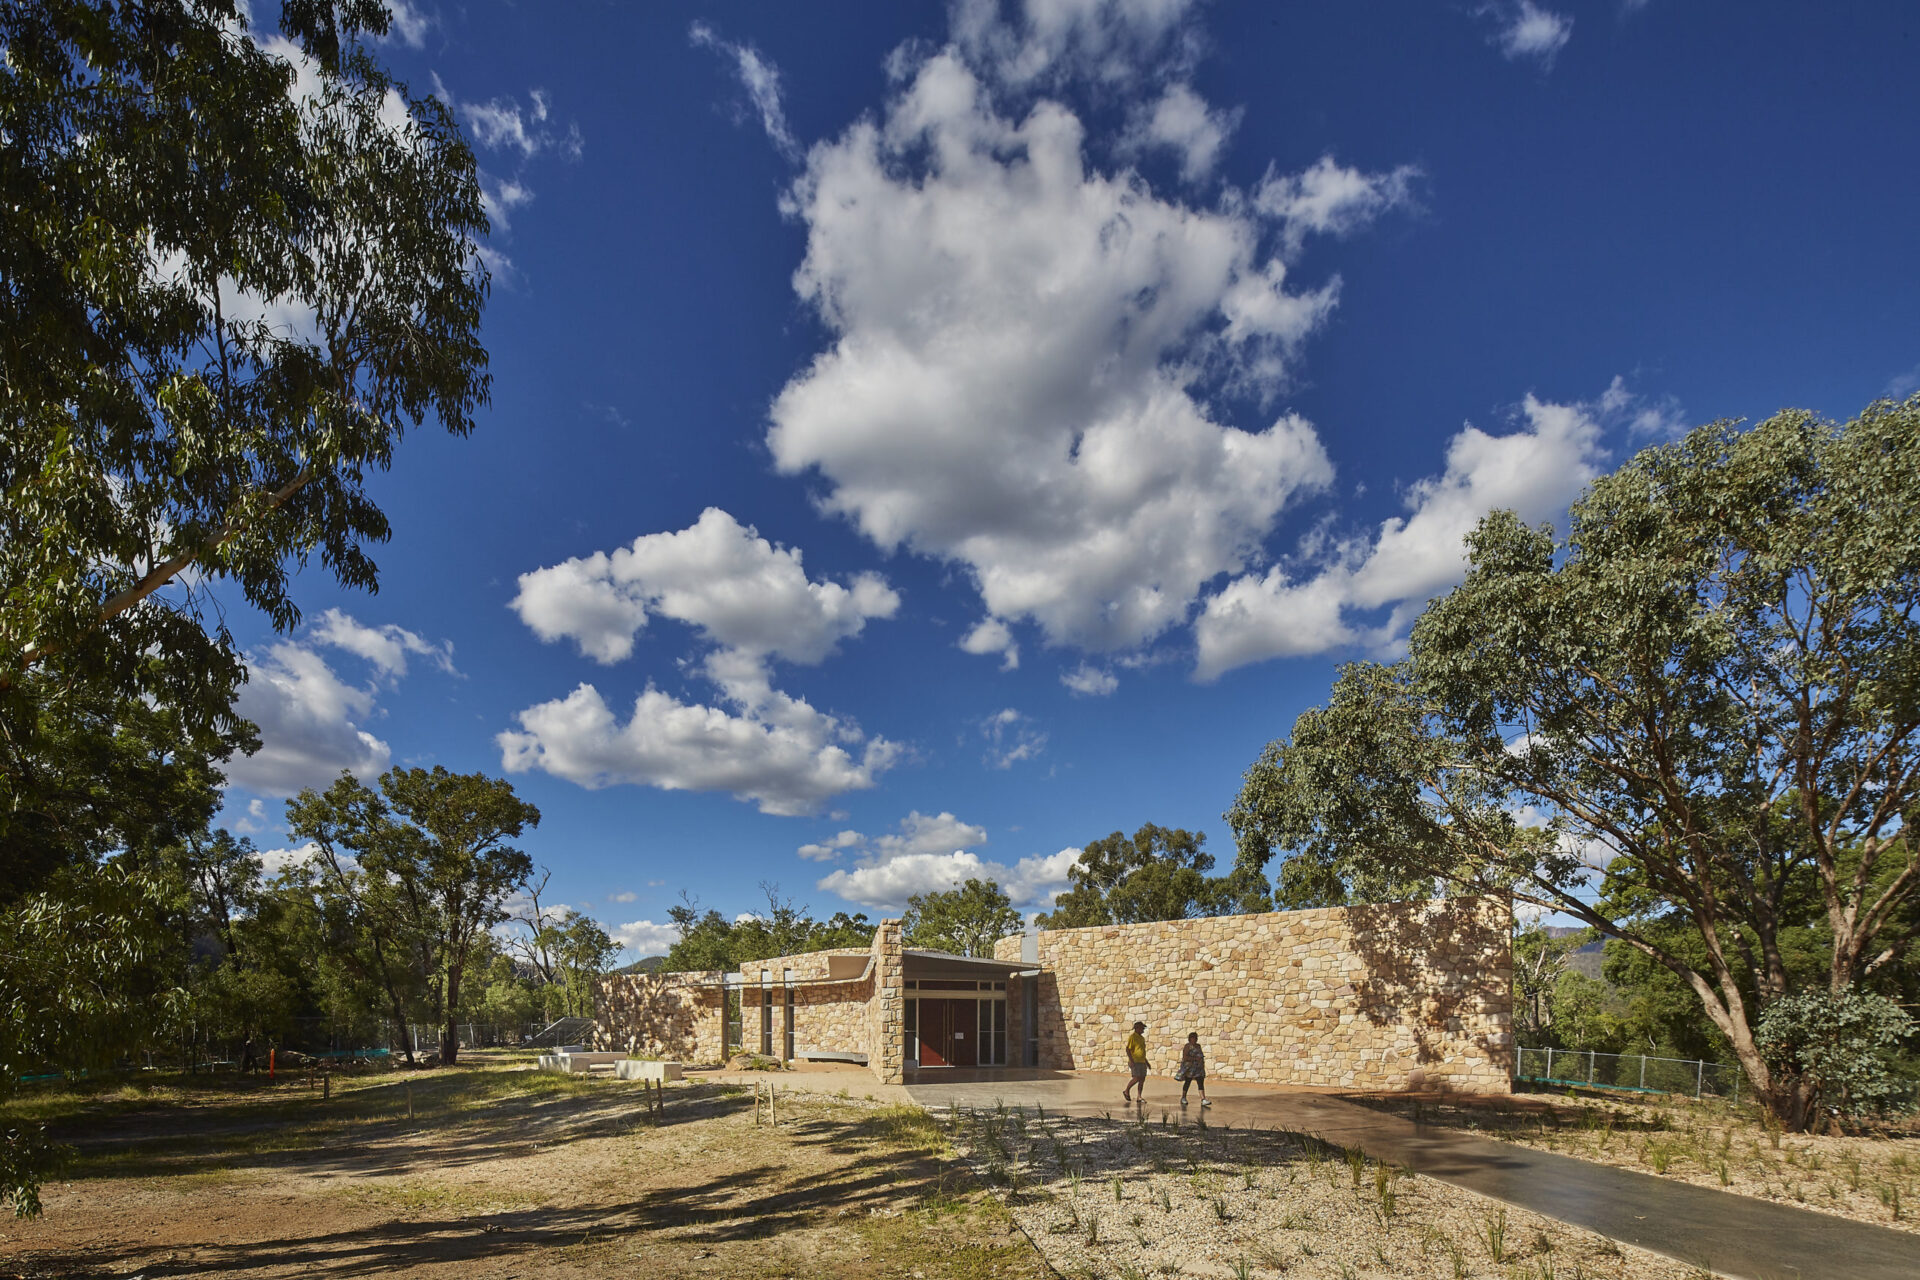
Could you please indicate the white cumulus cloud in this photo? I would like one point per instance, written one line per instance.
(1535, 471)
(1328, 198)
(385, 647)
(1028, 352)
(312, 721)
(717, 575)
(1089, 681)
(310, 725)
(830, 849)
(274, 861)
(1182, 122)
(889, 878)
(993, 636)
(780, 753)
(645, 937)
(755, 603)
(1524, 30)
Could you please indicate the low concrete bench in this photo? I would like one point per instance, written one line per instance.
(659, 1072)
(578, 1063)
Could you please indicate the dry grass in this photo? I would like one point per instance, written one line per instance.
(505, 1173)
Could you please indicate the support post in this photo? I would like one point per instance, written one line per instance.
(1699, 1077)
(1643, 1071)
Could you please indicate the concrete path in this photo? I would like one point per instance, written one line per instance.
(1728, 1234)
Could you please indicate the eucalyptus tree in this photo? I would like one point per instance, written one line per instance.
(966, 920)
(423, 869)
(1700, 706)
(234, 269)
(1157, 873)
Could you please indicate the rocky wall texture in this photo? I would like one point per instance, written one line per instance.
(886, 1011)
(1385, 997)
(680, 1016)
(828, 1017)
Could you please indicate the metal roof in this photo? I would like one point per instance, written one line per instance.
(945, 958)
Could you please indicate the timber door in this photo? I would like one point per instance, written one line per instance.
(936, 1032)
(963, 1048)
(948, 1031)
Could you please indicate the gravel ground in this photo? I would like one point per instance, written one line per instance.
(1868, 1178)
(1127, 1199)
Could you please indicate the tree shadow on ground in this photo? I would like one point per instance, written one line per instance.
(890, 1166)
(454, 1123)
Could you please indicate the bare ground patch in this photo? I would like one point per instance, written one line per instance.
(506, 1175)
(1135, 1198)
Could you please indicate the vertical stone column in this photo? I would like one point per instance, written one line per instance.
(886, 1007)
(787, 1013)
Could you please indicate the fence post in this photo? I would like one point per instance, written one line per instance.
(1643, 1071)
(1549, 1074)
(1699, 1077)
(1593, 1059)
(1736, 1086)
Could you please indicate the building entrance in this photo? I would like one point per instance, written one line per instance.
(947, 1033)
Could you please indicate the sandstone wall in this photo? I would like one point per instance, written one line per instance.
(1391, 996)
(828, 1017)
(886, 1011)
(667, 1015)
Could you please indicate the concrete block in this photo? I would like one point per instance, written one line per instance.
(659, 1072)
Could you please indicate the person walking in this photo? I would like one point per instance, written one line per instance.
(1136, 1064)
(1193, 1070)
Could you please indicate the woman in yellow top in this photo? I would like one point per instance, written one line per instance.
(1136, 1063)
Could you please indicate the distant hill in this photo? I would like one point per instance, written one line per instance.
(652, 964)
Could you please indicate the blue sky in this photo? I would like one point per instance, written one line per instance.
(924, 438)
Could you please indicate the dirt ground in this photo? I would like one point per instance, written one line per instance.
(1868, 1177)
(502, 1174)
(1132, 1199)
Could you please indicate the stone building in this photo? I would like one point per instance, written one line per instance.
(1393, 996)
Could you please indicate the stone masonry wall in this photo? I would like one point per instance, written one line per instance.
(667, 1015)
(886, 1012)
(1391, 996)
(830, 1017)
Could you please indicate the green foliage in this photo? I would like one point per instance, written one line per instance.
(966, 921)
(1158, 873)
(75, 966)
(227, 287)
(417, 874)
(1840, 1049)
(1707, 698)
(581, 952)
(208, 337)
(711, 941)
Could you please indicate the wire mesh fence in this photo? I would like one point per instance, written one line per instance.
(1631, 1072)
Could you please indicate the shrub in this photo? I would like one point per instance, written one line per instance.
(1842, 1047)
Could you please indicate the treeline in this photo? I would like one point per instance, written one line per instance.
(1158, 873)
(399, 915)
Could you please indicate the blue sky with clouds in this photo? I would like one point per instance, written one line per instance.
(925, 438)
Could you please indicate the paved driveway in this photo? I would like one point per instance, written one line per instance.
(1729, 1234)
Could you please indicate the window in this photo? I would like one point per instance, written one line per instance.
(786, 978)
(766, 1012)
